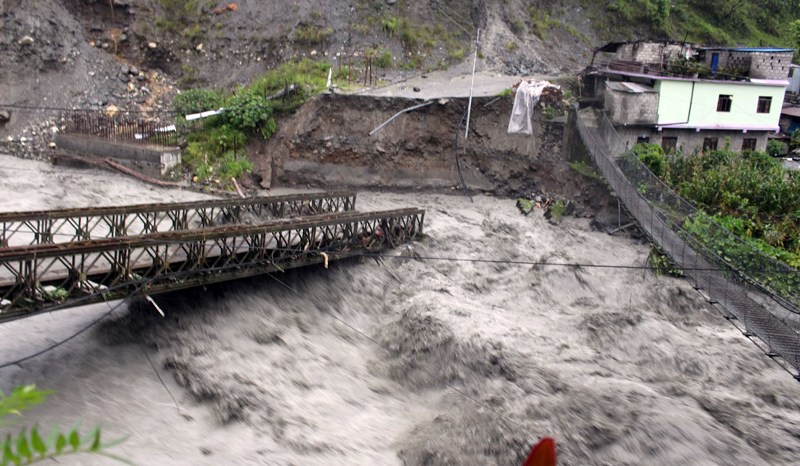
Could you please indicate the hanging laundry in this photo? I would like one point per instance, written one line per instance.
(527, 96)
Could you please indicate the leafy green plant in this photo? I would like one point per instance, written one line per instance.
(233, 167)
(505, 92)
(196, 100)
(776, 148)
(662, 264)
(652, 155)
(557, 211)
(215, 145)
(28, 446)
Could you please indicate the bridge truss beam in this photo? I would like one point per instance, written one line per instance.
(45, 277)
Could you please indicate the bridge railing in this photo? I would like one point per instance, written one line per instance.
(68, 225)
(664, 217)
(44, 277)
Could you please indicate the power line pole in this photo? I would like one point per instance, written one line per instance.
(472, 85)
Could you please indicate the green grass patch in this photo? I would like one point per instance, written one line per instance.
(584, 169)
(312, 35)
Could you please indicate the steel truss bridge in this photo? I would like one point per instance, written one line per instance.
(56, 259)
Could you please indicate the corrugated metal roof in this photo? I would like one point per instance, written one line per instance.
(632, 88)
(749, 49)
(791, 111)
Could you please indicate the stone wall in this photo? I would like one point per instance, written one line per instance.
(758, 65)
(770, 65)
(649, 52)
(626, 108)
(690, 141)
(151, 161)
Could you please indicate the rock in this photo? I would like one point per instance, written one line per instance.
(112, 110)
(5, 116)
(26, 40)
(23, 139)
(134, 70)
(124, 78)
(151, 45)
(313, 53)
(416, 89)
(123, 37)
(52, 145)
(199, 47)
(91, 73)
(140, 77)
(10, 139)
(124, 69)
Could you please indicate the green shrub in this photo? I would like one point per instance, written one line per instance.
(203, 171)
(232, 167)
(385, 60)
(776, 148)
(196, 100)
(246, 112)
(391, 25)
(652, 155)
(662, 264)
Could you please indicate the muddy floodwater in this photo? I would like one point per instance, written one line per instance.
(414, 359)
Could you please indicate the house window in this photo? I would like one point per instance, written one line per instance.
(710, 144)
(749, 144)
(643, 140)
(669, 144)
(724, 103)
(764, 104)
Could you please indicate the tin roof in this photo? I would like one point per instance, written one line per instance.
(749, 49)
(791, 111)
(632, 88)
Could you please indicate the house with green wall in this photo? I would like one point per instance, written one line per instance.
(690, 98)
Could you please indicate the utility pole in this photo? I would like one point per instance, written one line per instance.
(472, 85)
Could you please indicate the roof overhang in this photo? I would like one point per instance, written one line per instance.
(712, 127)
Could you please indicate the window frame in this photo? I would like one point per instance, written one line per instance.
(724, 103)
(764, 101)
(710, 144)
(673, 144)
(746, 142)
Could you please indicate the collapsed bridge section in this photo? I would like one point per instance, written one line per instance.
(45, 277)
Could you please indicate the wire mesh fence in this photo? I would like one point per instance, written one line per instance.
(755, 292)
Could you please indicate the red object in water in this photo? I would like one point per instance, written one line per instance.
(543, 453)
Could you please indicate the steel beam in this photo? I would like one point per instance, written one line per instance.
(68, 225)
(44, 277)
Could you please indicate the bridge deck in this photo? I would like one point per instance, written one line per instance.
(44, 277)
